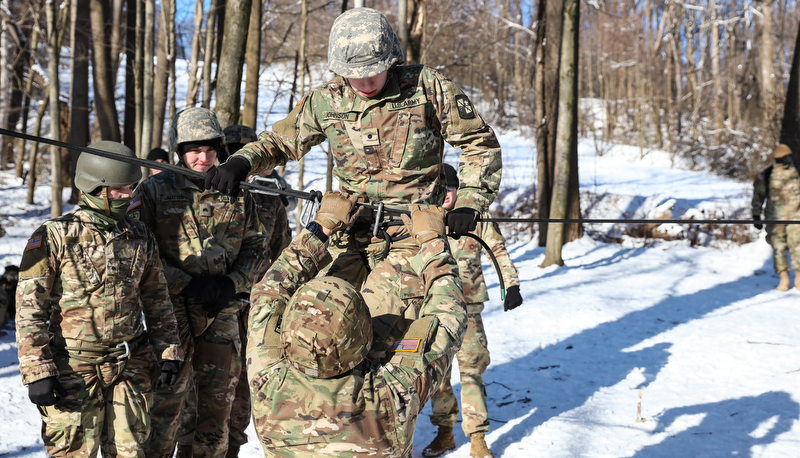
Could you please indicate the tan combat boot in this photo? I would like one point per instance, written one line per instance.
(478, 448)
(784, 284)
(184, 451)
(444, 441)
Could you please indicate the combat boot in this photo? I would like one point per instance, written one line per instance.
(184, 451)
(784, 284)
(478, 448)
(443, 442)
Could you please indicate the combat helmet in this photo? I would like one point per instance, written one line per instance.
(362, 44)
(93, 171)
(327, 328)
(196, 125)
(238, 135)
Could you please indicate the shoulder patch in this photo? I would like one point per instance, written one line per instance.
(465, 108)
(34, 242)
(136, 202)
(411, 345)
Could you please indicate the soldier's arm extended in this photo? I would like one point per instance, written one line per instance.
(490, 233)
(760, 190)
(252, 260)
(162, 328)
(481, 161)
(291, 138)
(36, 278)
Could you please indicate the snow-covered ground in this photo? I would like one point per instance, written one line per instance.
(632, 349)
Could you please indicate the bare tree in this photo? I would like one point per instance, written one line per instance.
(55, 32)
(231, 61)
(194, 82)
(208, 56)
(79, 82)
(253, 58)
(567, 132)
(165, 62)
(102, 72)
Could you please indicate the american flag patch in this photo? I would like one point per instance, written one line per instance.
(34, 242)
(136, 202)
(406, 345)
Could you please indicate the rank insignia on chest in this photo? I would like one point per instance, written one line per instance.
(34, 242)
(465, 108)
(411, 345)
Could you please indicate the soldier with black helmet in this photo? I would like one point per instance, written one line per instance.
(88, 282)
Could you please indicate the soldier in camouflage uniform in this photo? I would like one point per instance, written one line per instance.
(273, 217)
(212, 246)
(314, 391)
(386, 124)
(473, 357)
(779, 185)
(87, 279)
(8, 288)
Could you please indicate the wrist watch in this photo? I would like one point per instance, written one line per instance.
(316, 229)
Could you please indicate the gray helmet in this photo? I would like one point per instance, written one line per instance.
(195, 125)
(238, 133)
(450, 176)
(327, 328)
(362, 44)
(94, 171)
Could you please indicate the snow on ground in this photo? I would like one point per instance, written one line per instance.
(643, 349)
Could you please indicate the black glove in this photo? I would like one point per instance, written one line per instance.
(462, 220)
(202, 290)
(227, 176)
(169, 372)
(758, 226)
(513, 299)
(225, 292)
(43, 392)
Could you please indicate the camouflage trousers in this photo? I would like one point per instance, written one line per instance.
(242, 406)
(473, 359)
(109, 412)
(197, 408)
(396, 290)
(784, 238)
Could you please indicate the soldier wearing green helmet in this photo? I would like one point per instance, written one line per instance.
(89, 281)
(386, 124)
(213, 247)
(315, 391)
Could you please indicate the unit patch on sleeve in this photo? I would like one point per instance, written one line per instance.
(465, 108)
(136, 202)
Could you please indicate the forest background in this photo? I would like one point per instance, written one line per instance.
(704, 80)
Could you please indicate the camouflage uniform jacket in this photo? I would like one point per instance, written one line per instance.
(782, 193)
(92, 286)
(273, 217)
(371, 410)
(390, 148)
(467, 252)
(201, 233)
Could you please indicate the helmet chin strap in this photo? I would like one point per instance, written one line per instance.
(106, 203)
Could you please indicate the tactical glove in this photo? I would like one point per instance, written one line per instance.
(169, 372)
(227, 176)
(43, 392)
(425, 223)
(202, 290)
(225, 292)
(462, 220)
(758, 226)
(337, 211)
(513, 298)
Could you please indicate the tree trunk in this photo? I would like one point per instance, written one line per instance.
(37, 131)
(719, 90)
(172, 58)
(253, 58)
(147, 77)
(416, 31)
(139, 74)
(567, 133)
(402, 25)
(79, 83)
(131, 75)
(161, 79)
(17, 65)
(208, 56)
(767, 80)
(34, 41)
(548, 51)
(53, 49)
(790, 127)
(231, 61)
(194, 83)
(104, 100)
